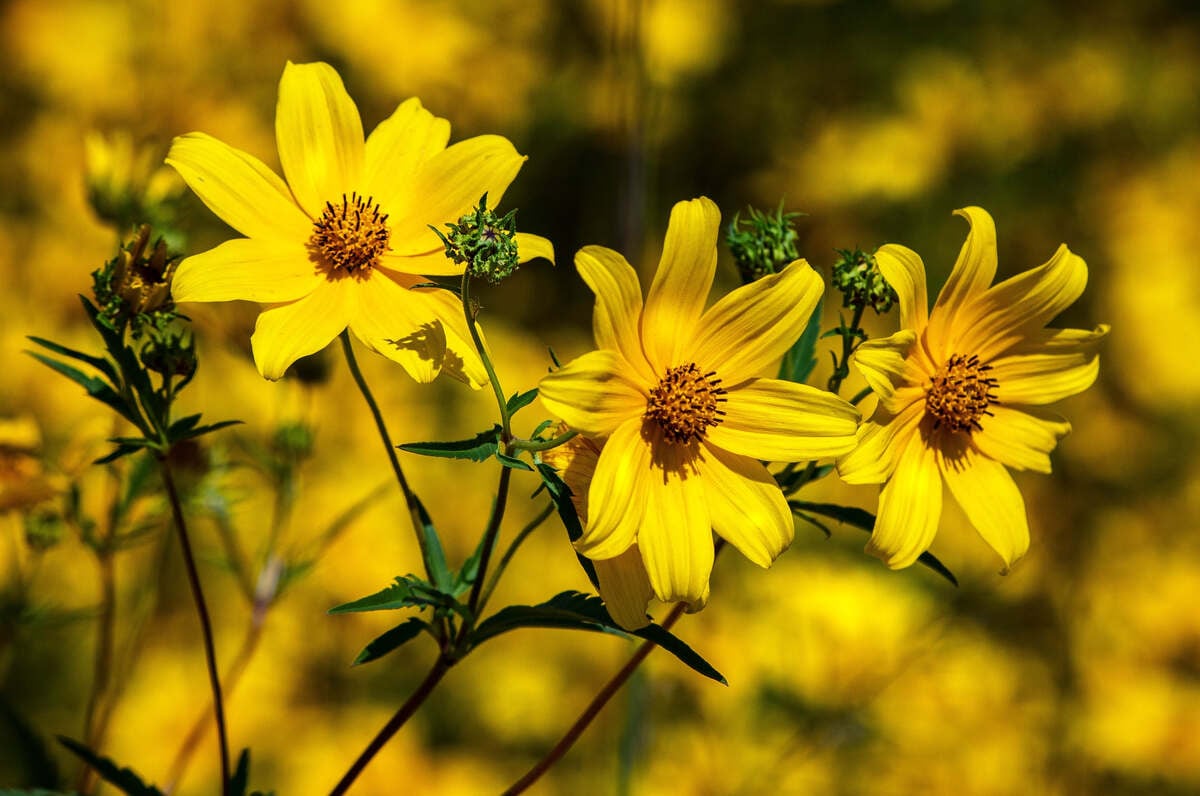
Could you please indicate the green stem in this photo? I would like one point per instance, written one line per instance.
(418, 697)
(510, 552)
(210, 654)
(842, 371)
(543, 445)
(410, 497)
(489, 543)
(592, 710)
(501, 401)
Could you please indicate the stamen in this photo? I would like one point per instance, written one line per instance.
(353, 236)
(686, 403)
(960, 394)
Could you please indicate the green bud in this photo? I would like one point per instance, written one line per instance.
(170, 352)
(765, 245)
(43, 529)
(485, 244)
(134, 288)
(293, 441)
(858, 278)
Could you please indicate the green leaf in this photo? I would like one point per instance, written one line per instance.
(520, 400)
(241, 775)
(94, 386)
(202, 430)
(865, 520)
(572, 610)
(479, 448)
(398, 595)
(512, 461)
(435, 556)
(560, 493)
(120, 451)
(99, 363)
(393, 639)
(124, 779)
(801, 358)
(822, 527)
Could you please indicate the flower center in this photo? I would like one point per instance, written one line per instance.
(960, 394)
(352, 236)
(685, 403)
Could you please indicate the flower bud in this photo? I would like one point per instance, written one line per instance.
(765, 246)
(487, 245)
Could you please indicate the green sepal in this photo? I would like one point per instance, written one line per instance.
(801, 358)
(572, 610)
(124, 779)
(865, 520)
(520, 400)
(393, 639)
(560, 493)
(479, 448)
(512, 461)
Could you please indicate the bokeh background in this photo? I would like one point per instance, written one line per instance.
(1077, 673)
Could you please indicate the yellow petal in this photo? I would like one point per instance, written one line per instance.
(625, 588)
(238, 188)
(448, 185)
(754, 326)
(575, 462)
(397, 148)
(1021, 439)
(1017, 308)
(676, 537)
(594, 393)
(681, 283)
(286, 332)
(319, 135)
(424, 331)
(253, 269)
(781, 421)
(891, 371)
(991, 502)
(745, 505)
(910, 506)
(431, 263)
(618, 312)
(1053, 364)
(881, 441)
(617, 496)
(974, 271)
(530, 247)
(904, 271)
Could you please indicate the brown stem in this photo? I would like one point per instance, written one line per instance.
(593, 709)
(95, 719)
(210, 654)
(440, 667)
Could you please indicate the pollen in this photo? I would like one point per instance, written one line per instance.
(351, 236)
(686, 403)
(960, 394)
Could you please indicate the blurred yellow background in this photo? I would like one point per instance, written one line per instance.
(1077, 673)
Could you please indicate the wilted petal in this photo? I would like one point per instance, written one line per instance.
(745, 505)
(594, 393)
(251, 269)
(910, 507)
(991, 502)
(781, 421)
(319, 135)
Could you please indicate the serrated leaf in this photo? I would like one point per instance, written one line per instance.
(94, 386)
(572, 610)
(391, 640)
(121, 450)
(479, 448)
(202, 430)
(398, 595)
(124, 779)
(560, 493)
(184, 424)
(435, 556)
(865, 520)
(99, 363)
(520, 400)
(801, 358)
(513, 462)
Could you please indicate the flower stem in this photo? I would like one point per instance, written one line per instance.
(410, 497)
(543, 445)
(489, 543)
(210, 654)
(842, 371)
(440, 667)
(593, 709)
(501, 401)
(510, 552)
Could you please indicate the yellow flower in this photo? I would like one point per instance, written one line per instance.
(675, 393)
(343, 243)
(960, 390)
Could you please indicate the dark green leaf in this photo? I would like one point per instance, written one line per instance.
(398, 595)
(95, 387)
(241, 775)
(520, 400)
(435, 562)
(123, 779)
(512, 461)
(202, 430)
(572, 610)
(560, 493)
(184, 424)
(121, 450)
(479, 448)
(801, 358)
(865, 520)
(542, 426)
(815, 522)
(393, 639)
(99, 363)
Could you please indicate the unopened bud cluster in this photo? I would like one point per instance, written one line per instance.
(484, 243)
(860, 281)
(764, 245)
(134, 288)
